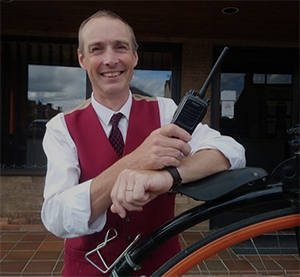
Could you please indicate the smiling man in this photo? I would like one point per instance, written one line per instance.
(108, 53)
(113, 159)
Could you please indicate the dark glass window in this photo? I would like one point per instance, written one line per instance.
(262, 108)
(262, 105)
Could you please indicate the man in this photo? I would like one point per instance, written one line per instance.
(91, 188)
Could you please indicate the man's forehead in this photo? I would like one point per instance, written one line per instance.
(101, 27)
(104, 22)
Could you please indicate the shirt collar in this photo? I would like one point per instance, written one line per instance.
(105, 114)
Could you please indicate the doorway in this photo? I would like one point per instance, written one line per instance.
(263, 85)
(255, 100)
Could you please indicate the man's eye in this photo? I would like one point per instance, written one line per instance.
(96, 50)
(122, 47)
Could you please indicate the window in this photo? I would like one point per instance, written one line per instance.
(262, 107)
(238, 81)
(42, 79)
(51, 90)
(272, 79)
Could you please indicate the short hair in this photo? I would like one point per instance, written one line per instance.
(110, 14)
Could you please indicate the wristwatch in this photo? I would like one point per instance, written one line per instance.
(175, 175)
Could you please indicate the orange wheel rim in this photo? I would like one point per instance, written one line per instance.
(233, 238)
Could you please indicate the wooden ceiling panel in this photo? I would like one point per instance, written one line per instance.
(269, 20)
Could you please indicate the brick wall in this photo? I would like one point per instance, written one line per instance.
(20, 202)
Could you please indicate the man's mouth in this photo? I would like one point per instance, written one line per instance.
(111, 74)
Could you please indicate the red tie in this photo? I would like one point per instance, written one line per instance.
(115, 137)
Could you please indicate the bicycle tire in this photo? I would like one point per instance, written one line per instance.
(228, 237)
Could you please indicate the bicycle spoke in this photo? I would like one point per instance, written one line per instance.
(229, 251)
(259, 256)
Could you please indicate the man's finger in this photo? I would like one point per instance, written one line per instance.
(118, 209)
(177, 132)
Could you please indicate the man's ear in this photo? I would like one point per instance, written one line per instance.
(81, 59)
(136, 58)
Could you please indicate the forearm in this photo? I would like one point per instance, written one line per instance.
(136, 188)
(202, 164)
(101, 187)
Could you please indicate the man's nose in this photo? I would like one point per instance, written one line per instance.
(110, 57)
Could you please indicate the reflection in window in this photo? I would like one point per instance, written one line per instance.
(57, 88)
(259, 78)
(233, 81)
(279, 79)
(272, 79)
(152, 82)
(51, 90)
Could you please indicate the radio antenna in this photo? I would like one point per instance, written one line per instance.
(212, 73)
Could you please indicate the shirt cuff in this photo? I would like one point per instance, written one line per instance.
(79, 211)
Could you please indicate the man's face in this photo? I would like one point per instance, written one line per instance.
(108, 56)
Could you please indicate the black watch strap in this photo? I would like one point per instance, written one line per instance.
(175, 175)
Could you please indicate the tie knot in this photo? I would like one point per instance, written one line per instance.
(115, 119)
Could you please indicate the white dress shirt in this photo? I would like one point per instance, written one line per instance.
(66, 209)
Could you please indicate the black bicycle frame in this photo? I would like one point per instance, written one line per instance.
(190, 218)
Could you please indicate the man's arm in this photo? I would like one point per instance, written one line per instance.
(202, 164)
(133, 189)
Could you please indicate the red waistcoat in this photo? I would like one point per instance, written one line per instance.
(96, 154)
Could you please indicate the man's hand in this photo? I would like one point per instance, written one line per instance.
(164, 147)
(143, 180)
(135, 188)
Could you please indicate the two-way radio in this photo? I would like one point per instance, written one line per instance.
(192, 107)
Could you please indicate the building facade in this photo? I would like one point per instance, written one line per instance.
(254, 94)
